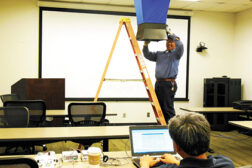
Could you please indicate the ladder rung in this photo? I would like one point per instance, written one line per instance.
(124, 80)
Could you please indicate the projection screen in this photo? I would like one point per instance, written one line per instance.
(75, 45)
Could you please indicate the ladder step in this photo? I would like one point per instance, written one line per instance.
(124, 80)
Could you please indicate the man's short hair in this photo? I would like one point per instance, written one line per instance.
(191, 132)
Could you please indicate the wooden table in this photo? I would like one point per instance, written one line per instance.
(218, 117)
(122, 155)
(242, 124)
(45, 134)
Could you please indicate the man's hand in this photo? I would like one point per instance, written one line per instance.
(168, 30)
(168, 158)
(146, 43)
(148, 161)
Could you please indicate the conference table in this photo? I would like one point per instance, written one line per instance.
(120, 159)
(64, 113)
(242, 124)
(218, 117)
(211, 109)
(47, 134)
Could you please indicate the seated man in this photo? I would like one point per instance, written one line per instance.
(191, 137)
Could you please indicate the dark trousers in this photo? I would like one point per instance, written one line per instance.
(165, 91)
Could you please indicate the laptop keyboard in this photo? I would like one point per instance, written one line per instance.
(136, 161)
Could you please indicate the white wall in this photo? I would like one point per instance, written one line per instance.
(19, 42)
(243, 51)
(216, 30)
(19, 53)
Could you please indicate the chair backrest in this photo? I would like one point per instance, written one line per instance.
(14, 117)
(9, 97)
(86, 114)
(37, 110)
(12, 162)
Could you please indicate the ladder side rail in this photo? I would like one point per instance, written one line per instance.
(142, 67)
(108, 61)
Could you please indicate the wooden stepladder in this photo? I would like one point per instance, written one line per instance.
(142, 67)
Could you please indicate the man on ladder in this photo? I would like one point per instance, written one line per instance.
(167, 63)
(142, 67)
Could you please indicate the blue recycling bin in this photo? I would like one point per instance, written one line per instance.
(151, 19)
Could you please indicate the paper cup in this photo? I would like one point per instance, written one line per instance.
(94, 157)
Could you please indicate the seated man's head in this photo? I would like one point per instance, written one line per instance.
(170, 44)
(191, 133)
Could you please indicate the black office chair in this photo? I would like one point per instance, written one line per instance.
(9, 97)
(87, 114)
(13, 162)
(37, 110)
(14, 117)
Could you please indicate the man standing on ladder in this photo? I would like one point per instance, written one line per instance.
(167, 63)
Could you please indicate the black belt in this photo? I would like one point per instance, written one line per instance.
(166, 80)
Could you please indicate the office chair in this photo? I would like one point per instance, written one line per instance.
(14, 117)
(37, 110)
(87, 114)
(9, 97)
(13, 162)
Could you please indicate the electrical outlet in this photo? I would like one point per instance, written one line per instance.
(148, 114)
(124, 115)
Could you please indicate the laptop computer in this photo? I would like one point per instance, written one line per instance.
(153, 140)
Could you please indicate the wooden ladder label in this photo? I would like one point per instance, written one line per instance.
(142, 67)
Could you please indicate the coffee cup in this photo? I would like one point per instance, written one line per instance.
(94, 157)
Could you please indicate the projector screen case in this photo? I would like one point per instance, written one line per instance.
(151, 32)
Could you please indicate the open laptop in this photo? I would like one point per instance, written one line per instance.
(153, 140)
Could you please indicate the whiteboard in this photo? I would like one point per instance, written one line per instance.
(75, 45)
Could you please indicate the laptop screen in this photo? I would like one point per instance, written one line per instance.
(151, 140)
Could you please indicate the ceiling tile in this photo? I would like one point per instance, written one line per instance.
(122, 2)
